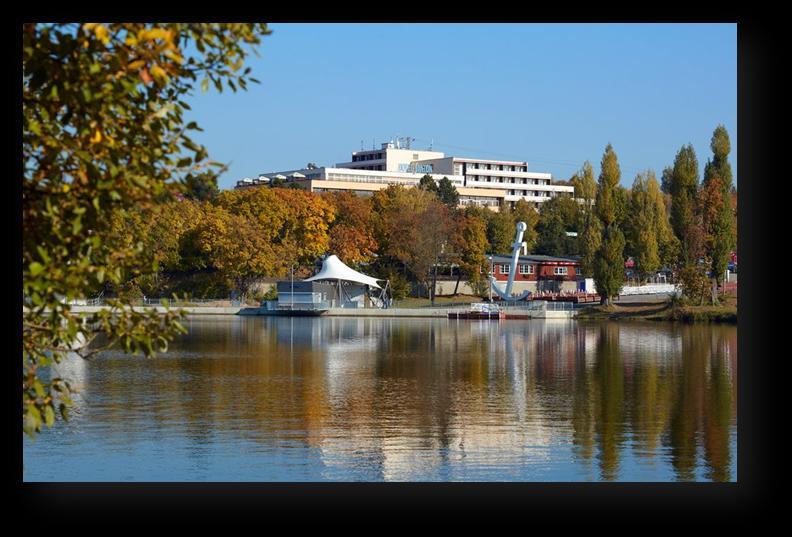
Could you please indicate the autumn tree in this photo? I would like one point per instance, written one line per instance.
(352, 233)
(469, 241)
(642, 231)
(609, 259)
(557, 216)
(720, 227)
(233, 246)
(387, 206)
(525, 212)
(715, 216)
(420, 237)
(666, 178)
(500, 231)
(103, 132)
(159, 231)
(684, 188)
(295, 222)
(585, 185)
(590, 234)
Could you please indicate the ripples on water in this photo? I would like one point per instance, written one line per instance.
(271, 399)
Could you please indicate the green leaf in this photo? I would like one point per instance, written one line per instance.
(49, 415)
(205, 85)
(39, 388)
(35, 268)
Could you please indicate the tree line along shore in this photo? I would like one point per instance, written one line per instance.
(206, 243)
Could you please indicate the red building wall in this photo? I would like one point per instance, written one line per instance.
(543, 270)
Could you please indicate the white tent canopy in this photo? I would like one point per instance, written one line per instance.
(335, 269)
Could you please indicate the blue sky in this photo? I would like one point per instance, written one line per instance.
(550, 94)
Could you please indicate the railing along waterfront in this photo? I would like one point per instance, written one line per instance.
(222, 302)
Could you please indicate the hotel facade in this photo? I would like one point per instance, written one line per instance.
(486, 183)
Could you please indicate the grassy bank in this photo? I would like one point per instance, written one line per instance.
(414, 302)
(725, 312)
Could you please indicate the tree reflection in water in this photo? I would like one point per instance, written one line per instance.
(420, 399)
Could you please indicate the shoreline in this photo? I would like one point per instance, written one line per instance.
(640, 311)
(724, 313)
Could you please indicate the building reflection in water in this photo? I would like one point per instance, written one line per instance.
(404, 399)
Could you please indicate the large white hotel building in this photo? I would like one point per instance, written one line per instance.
(488, 183)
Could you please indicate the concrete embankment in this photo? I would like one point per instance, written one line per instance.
(339, 312)
(191, 310)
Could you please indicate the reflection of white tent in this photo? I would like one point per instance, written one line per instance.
(335, 269)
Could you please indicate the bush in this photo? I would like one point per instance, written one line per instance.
(201, 285)
(270, 294)
(400, 287)
(695, 283)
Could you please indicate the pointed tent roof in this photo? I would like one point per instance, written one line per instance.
(335, 269)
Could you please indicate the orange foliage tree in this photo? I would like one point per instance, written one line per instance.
(352, 233)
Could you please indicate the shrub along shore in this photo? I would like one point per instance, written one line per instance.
(725, 312)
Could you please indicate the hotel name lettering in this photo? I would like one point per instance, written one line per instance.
(415, 168)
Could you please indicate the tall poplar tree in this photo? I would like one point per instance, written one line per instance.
(684, 188)
(721, 227)
(642, 230)
(590, 237)
(609, 262)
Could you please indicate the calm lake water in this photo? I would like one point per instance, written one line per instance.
(338, 399)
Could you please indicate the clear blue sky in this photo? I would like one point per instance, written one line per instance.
(550, 94)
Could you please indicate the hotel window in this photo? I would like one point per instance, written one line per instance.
(504, 269)
(560, 271)
(526, 268)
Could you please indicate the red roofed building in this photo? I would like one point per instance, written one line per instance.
(537, 272)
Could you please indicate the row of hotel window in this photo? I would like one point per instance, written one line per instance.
(368, 156)
(510, 180)
(529, 269)
(502, 167)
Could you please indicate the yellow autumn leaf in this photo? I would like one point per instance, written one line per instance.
(174, 56)
(155, 33)
(159, 73)
(101, 34)
(135, 65)
(97, 137)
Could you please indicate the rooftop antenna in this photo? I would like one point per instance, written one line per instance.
(431, 144)
(372, 143)
(361, 145)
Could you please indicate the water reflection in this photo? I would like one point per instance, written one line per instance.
(402, 399)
